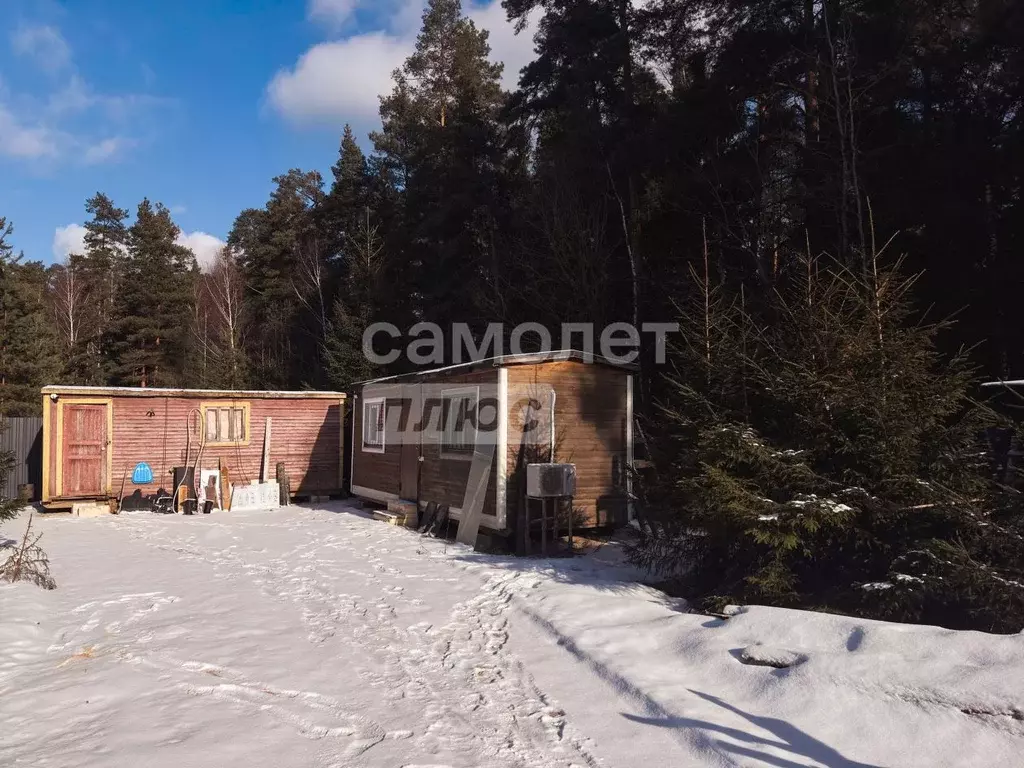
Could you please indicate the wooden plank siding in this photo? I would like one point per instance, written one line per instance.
(372, 470)
(443, 479)
(590, 432)
(591, 415)
(305, 436)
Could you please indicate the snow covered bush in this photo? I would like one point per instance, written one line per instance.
(815, 449)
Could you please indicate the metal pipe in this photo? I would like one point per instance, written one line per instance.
(551, 455)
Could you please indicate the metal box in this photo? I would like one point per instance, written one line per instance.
(545, 481)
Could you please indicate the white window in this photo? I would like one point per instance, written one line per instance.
(373, 425)
(458, 433)
(226, 424)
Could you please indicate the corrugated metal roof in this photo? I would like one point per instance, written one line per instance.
(500, 361)
(57, 389)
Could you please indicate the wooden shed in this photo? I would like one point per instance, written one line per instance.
(590, 398)
(94, 436)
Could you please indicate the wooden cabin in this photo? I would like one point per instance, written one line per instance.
(94, 438)
(591, 400)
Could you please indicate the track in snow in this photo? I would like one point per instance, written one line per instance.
(423, 675)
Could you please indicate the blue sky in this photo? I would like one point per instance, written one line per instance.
(195, 103)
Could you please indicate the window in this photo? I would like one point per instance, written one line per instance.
(458, 433)
(373, 425)
(225, 423)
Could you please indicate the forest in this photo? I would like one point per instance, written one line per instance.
(826, 195)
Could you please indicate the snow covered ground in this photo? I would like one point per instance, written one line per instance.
(319, 637)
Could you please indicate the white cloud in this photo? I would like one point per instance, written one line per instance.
(177, 210)
(342, 80)
(26, 142)
(68, 121)
(71, 239)
(68, 240)
(43, 43)
(105, 150)
(515, 51)
(204, 246)
(332, 12)
(339, 80)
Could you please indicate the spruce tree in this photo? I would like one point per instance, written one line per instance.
(819, 451)
(28, 345)
(102, 270)
(349, 195)
(154, 303)
(29, 348)
(272, 242)
(358, 304)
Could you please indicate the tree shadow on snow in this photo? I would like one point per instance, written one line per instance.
(788, 738)
(582, 569)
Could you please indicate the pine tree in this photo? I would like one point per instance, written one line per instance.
(819, 447)
(442, 144)
(154, 303)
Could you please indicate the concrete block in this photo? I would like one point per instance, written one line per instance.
(256, 496)
(90, 509)
(406, 509)
(391, 518)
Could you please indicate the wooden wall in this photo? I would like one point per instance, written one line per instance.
(443, 479)
(305, 435)
(376, 471)
(590, 432)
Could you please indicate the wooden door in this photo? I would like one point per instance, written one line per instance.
(409, 461)
(84, 450)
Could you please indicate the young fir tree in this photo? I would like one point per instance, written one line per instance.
(154, 303)
(820, 452)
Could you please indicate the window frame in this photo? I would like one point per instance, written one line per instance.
(215, 405)
(446, 450)
(369, 447)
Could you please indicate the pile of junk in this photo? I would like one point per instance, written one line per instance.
(201, 490)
